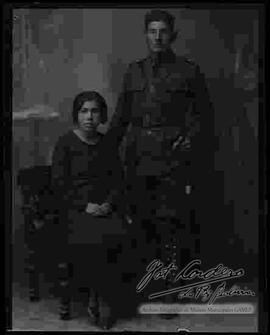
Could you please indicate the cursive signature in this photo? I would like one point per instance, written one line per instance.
(157, 270)
(217, 272)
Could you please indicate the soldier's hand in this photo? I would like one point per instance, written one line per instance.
(181, 142)
(38, 223)
(99, 210)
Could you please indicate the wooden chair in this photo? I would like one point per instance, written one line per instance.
(32, 182)
(41, 230)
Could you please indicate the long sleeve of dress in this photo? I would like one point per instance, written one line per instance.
(65, 189)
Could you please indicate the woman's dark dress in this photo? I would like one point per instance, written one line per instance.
(85, 173)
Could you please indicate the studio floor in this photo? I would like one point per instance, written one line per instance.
(43, 315)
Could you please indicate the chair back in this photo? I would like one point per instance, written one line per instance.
(34, 179)
(35, 184)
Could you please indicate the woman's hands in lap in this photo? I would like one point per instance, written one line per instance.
(98, 210)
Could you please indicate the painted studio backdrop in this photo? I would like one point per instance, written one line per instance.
(60, 52)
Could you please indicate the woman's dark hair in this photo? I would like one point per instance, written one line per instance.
(81, 98)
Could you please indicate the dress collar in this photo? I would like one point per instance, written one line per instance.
(95, 141)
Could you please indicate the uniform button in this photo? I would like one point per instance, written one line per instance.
(241, 162)
(188, 189)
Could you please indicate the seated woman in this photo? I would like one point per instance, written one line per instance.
(86, 178)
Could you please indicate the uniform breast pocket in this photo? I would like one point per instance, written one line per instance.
(137, 89)
(178, 87)
(137, 86)
(173, 93)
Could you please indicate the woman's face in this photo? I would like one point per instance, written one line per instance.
(89, 116)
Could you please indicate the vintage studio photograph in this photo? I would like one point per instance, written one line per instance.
(135, 179)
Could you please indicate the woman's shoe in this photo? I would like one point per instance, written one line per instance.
(93, 315)
(105, 320)
(93, 309)
(105, 323)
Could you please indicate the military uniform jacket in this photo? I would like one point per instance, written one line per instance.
(164, 107)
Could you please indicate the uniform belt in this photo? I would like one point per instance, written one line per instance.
(152, 130)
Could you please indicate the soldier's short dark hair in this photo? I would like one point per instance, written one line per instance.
(159, 15)
(81, 98)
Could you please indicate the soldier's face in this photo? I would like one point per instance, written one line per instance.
(158, 36)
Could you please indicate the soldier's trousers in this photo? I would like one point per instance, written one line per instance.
(161, 229)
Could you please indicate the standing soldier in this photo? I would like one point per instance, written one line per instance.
(164, 111)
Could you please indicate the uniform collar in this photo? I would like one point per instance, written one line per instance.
(162, 57)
